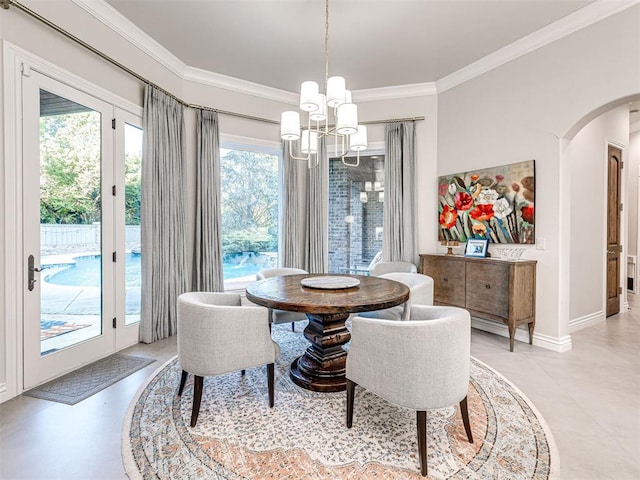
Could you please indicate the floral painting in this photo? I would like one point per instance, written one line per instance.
(493, 203)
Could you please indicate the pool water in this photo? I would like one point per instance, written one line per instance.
(87, 272)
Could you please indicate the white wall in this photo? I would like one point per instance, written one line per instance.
(588, 212)
(633, 196)
(7, 350)
(426, 148)
(523, 110)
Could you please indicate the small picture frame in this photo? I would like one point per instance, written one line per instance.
(476, 247)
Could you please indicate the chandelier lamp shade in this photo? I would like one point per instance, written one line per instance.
(330, 114)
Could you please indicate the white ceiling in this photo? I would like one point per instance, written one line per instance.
(372, 43)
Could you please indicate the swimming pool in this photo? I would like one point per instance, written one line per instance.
(86, 272)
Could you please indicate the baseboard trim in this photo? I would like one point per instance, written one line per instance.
(586, 321)
(4, 394)
(540, 340)
(498, 328)
(556, 344)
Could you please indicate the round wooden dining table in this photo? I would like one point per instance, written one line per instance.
(322, 368)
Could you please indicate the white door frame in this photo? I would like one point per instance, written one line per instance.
(11, 333)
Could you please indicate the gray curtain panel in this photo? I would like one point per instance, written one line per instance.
(293, 234)
(207, 258)
(305, 204)
(163, 215)
(318, 214)
(400, 232)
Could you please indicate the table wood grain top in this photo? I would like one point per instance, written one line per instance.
(286, 293)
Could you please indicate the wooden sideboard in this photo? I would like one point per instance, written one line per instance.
(499, 290)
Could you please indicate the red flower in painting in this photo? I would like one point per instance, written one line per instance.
(463, 201)
(482, 212)
(448, 217)
(443, 188)
(527, 214)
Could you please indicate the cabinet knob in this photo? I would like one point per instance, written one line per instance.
(445, 279)
(487, 286)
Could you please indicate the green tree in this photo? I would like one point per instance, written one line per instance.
(70, 148)
(249, 201)
(132, 175)
(70, 168)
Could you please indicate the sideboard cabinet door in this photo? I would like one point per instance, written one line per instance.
(448, 280)
(488, 288)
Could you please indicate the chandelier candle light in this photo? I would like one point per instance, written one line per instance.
(352, 137)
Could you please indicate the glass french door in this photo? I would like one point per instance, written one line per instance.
(128, 171)
(73, 229)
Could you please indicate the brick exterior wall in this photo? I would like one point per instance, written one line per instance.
(352, 244)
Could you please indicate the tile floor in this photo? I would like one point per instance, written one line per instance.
(590, 398)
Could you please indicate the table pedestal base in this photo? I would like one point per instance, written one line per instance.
(322, 368)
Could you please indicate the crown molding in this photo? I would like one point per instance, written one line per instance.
(598, 10)
(582, 18)
(218, 80)
(123, 27)
(119, 24)
(398, 91)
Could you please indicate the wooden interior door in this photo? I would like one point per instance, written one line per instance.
(614, 167)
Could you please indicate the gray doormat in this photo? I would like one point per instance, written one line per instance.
(90, 379)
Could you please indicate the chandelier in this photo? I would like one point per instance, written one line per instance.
(335, 103)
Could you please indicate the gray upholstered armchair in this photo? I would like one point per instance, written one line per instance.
(217, 335)
(282, 316)
(381, 268)
(421, 364)
(420, 293)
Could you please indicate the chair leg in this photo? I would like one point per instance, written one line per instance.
(197, 397)
(422, 441)
(270, 380)
(293, 326)
(183, 380)
(465, 418)
(351, 387)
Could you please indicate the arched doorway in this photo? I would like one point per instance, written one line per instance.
(585, 179)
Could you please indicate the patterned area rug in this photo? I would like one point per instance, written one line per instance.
(305, 437)
(89, 380)
(53, 328)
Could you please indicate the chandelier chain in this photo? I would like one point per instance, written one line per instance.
(326, 43)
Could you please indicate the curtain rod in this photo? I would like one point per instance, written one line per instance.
(5, 4)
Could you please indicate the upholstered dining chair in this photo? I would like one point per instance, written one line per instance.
(421, 364)
(216, 335)
(282, 316)
(381, 268)
(420, 293)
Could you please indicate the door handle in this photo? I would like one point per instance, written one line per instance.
(32, 269)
